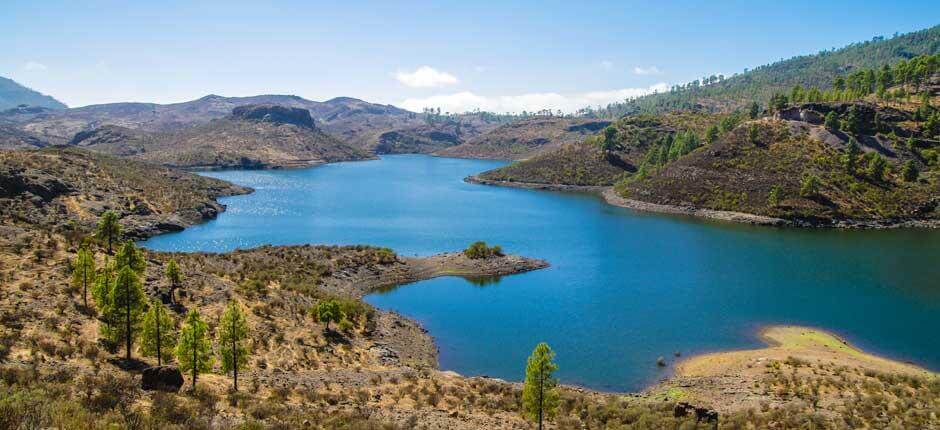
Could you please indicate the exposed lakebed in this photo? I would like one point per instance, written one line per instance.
(624, 287)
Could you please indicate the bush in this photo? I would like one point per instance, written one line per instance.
(478, 250)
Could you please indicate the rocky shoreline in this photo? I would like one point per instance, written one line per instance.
(611, 197)
(535, 186)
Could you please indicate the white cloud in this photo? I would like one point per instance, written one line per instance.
(426, 77)
(33, 66)
(465, 101)
(651, 70)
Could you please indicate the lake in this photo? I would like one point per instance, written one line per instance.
(624, 287)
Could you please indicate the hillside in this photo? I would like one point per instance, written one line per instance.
(816, 70)
(46, 188)
(795, 171)
(587, 163)
(526, 138)
(253, 136)
(13, 95)
(373, 369)
(360, 124)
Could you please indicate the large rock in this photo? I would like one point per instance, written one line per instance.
(274, 113)
(162, 378)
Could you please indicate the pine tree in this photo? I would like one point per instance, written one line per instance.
(232, 340)
(193, 350)
(101, 292)
(832, 121)
(909, 171)
(127, 305)
(130, 256)
(540, 394)
(157, 337)
(810, 186)
(754, 111)
(850, 158)
(776, 193)
(876, 167)
(711, 135)
(175, 277)
(83, 272)
(109, 230)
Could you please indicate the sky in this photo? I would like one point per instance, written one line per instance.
(498, 56)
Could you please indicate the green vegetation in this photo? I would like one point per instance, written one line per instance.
(328, 311)
(175, 276)
(818, 71)
(126, 305)
(109, 230)
(479, 250)
(130, 256)
(193, 350)
(157, 337)
(232, 338)
(83, 272)
(540, 393)
(850, 159)
(876, 167)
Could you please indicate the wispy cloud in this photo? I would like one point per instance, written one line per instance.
(607, 64)
(426, 77)
(465, 101)
(33, 66)
(651, 70)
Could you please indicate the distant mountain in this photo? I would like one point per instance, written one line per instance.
(361, 124)
(13, 94)
(757, 85)
(253, 136)
(526, 138)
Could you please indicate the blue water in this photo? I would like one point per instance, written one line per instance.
(624, 287)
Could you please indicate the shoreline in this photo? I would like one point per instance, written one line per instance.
(612, 198)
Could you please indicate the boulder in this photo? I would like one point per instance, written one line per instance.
(812, 116)
(162, 378)
(683, 409)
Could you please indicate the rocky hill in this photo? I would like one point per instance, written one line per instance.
(526, 138)
(356, 122)
(586, 163)
(49, 187)
(13, 95)
(788, 168)
(795, 170)
(253, 136)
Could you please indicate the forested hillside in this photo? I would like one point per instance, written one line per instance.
(722, 93)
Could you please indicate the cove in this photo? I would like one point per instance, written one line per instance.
(624, 287)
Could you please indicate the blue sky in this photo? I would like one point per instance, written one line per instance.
(457, 55)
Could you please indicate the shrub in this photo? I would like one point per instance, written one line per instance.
(810, 186)
(478, 250)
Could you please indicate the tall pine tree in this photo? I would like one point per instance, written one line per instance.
(233, 341)
(83, 272)
(193, 350)
(109, 230)
(157, 337)
(127, 305)
(540, 392)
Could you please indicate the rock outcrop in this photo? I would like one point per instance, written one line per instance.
(275, 113)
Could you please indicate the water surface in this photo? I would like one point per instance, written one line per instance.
(624, 287)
